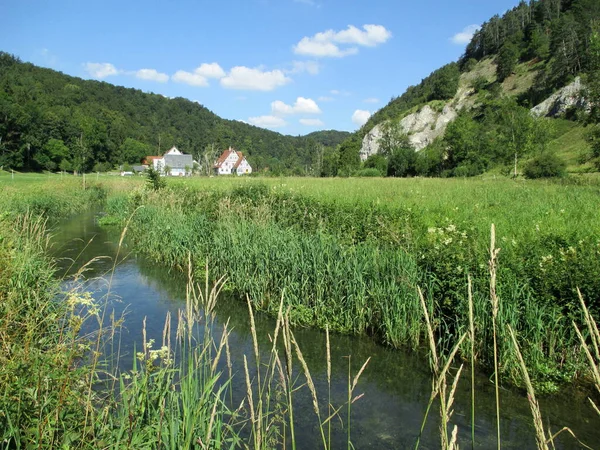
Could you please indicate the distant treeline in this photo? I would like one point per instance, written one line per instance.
(52, 121)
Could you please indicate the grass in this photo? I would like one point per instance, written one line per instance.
(58, 390)
(349, 254)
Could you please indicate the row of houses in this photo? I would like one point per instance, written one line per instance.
(177, 164)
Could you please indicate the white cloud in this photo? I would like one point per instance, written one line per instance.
(371, 100)
(325, 44)
(241, 77)
(152, 75)
(312, 122)
(324, 98)
(267, 121)
(100, 70)
(200, 75)
(311, 67)
(212, 70)
(193, 79)
(301, 106)
(465, 36)
(360, 117)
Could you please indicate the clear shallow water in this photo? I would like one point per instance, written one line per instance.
(396, 384)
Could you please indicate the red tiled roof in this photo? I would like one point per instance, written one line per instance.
(223, 157)
(239, 161)
(149, 159)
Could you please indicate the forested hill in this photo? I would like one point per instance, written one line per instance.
(556, 35)
(513, 62)
(50, 120)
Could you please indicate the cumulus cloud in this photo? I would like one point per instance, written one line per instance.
(465, 36)
(200, 75)
(152, 75)
(100, 70)
(360, 117)
(267, 121)
(301, 106)
(212, 70)
(371, 100)
(241, 77)
(312, 122)
(327, 43)
(193, 79)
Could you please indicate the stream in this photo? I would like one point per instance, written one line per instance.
(396, 384)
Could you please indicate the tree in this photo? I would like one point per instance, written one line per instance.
(376, 161)
(51, 154)
(133, 151)
(546, 165)
(392, 138)
(401, 163)
(349, 158)
(508, 57)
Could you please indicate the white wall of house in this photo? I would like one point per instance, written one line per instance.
(158, 164)
(244, 168)
(227, 165)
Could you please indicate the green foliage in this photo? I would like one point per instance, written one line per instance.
(441, 84)
(376, 161)
(102, 123)
(133, 151)
(401, 163)
(154, 180)
(368, 172)
(545, 165)
(349, 159)
(593, 139)
(508, 56)
(262, 242)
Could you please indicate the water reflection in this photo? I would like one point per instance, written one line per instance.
(396, 384)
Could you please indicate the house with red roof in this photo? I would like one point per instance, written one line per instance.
(232, 162)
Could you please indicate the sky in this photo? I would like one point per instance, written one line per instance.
(292, 66)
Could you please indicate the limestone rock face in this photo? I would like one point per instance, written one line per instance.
(422, 127)
(559, 102)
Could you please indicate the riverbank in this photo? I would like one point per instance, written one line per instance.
(354, 265)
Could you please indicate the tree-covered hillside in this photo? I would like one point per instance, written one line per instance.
(512, 63)
(51, 121)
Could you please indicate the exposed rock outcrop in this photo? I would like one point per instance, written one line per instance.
(422, 127)
(558, 103)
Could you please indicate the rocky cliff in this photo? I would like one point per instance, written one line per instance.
(422, 127)
(561, 101)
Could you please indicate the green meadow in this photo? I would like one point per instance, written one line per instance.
(413, 263)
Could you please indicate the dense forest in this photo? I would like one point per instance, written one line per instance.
(51, 121)
(557, 39)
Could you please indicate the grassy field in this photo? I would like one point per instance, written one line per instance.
(350, 253)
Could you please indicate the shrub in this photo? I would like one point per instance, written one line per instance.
(546, 165)
(154, 180)
(368, 172)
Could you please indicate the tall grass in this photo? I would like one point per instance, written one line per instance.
(355, 268)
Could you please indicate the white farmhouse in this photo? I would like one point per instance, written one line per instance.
(232, 162)
(177, 163)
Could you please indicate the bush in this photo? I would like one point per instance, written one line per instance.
(546, 165)
(368, 172)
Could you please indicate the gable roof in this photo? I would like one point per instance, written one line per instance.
(223, 157)
(240, 159)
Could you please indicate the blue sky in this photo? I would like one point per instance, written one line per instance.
(294, 66)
